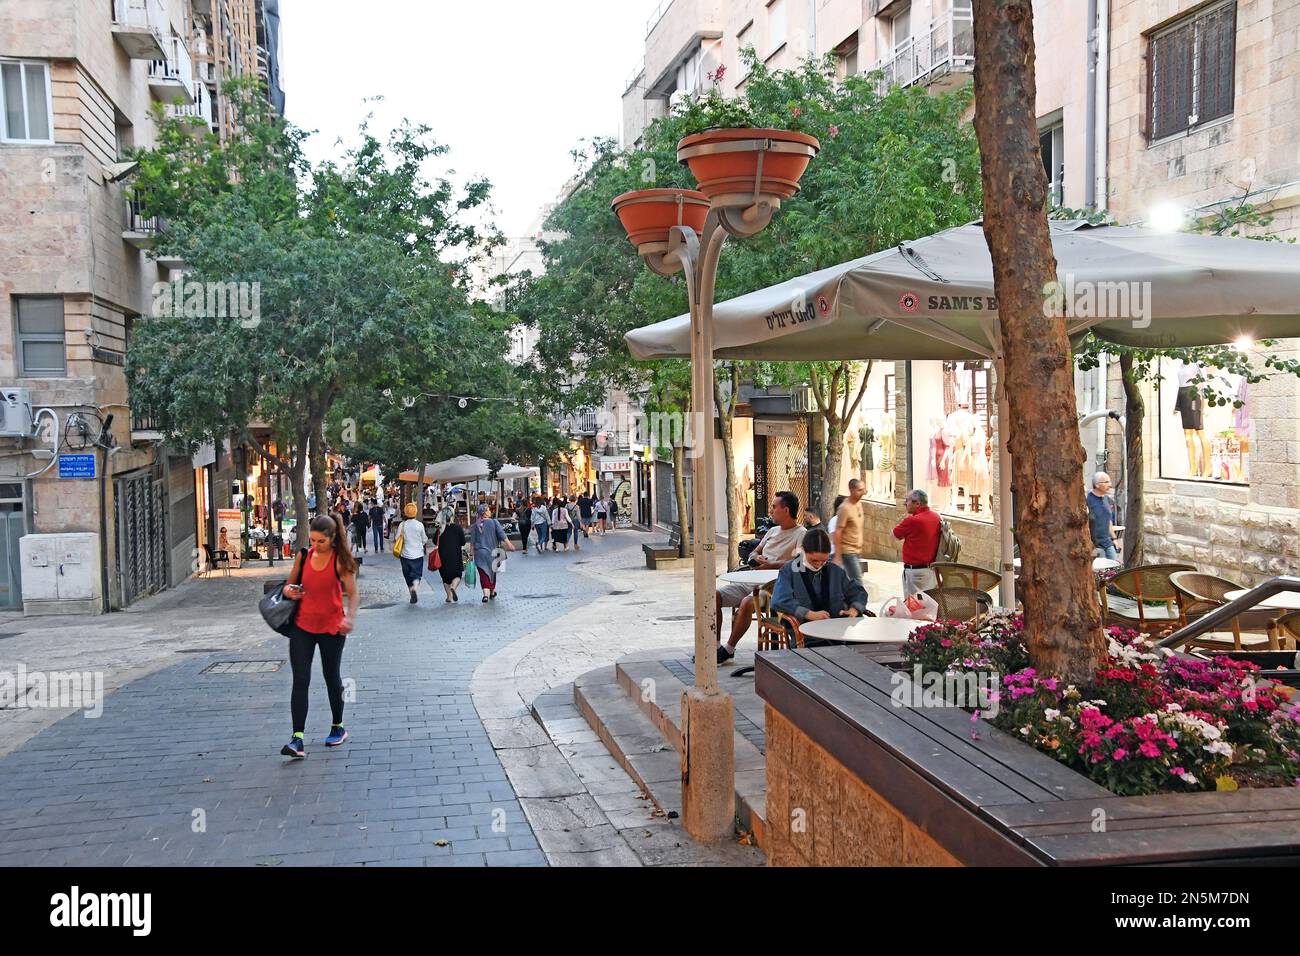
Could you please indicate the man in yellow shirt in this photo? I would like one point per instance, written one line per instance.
(848, 532)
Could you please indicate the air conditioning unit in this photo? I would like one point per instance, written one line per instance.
(16, 413)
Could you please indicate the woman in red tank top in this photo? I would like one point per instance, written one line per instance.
(324, 583)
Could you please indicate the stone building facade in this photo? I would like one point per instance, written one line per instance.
(75, 273)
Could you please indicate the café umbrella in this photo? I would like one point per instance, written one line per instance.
(933, 298)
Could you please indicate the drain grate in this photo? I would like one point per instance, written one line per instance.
(677, 617)
(378, 607)
(243, 667)
(538, 597)
(202, 650)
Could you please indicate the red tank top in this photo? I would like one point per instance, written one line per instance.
(321, 609)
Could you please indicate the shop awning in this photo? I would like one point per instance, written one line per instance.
(933, 298)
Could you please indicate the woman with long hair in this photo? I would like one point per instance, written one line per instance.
(324, 583)
(415, 544)
(487, 536)
(559, 524)
(451, 557)
(541, 523)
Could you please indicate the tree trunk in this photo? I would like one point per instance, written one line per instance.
(1134, 473)
(726, 416)
(1062, 614)
(833, 474)
(319, 480)
(298, 476)
(683, 508)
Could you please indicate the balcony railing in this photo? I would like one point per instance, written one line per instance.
(658, 15)
(173, 76)
(201, 108)
(140, 229)
(582, 422)
(948, 47)
(139, 27)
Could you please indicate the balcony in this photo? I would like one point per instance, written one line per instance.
(144, 426)
(582, 422)
(942, 58)
(141, 230)
(172, 78)
(201, 109)
(139, 27)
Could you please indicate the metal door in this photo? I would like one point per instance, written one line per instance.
(141, 510)
(13, 525)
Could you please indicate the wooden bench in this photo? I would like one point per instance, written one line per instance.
(994, 800)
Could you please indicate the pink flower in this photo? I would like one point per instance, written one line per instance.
(834, 131)
(1148, 749)
(795, 112)
(1178, 771)
(719, 73)
(1120, 753)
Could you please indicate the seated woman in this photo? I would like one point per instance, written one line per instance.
(811, 588)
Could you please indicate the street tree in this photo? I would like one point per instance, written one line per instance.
(1062, 614)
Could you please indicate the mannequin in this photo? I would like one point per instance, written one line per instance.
(937, 469)
(1243, 429)
(1189, 406)
(867, 461)
(852, 453)
(886, 465)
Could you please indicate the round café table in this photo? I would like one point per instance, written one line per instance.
(1282, 601)
(862, 630)
(1098, 564)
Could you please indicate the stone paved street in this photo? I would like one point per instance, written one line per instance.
(183, 765)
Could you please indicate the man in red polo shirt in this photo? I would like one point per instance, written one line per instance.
(919, 532)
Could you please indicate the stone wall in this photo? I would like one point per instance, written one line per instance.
(819, 813)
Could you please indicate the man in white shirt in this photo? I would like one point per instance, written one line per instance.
(778, 546)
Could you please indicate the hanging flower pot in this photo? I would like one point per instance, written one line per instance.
(648, 214)
(737, 167)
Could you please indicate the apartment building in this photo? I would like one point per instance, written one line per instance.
(1152, 109)
(111, 513)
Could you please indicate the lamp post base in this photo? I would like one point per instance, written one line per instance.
(708, 765)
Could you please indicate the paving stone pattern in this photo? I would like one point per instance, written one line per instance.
(183, 766)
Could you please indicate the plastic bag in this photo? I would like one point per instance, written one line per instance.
(471, 575)
(916, 607)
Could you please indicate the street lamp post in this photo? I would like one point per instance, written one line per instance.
(666, 227)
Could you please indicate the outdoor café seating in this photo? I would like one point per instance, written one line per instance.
(953, 575)
(1148, 601)
(1198, 593)
(961, 603)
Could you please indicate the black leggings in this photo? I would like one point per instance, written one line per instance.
(302, 648)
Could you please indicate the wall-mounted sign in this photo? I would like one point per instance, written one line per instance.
(780, 428)
(77, 466)
(620, 465)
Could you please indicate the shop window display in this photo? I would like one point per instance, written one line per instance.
(1200, 440)
(869, 438)
(952, 442)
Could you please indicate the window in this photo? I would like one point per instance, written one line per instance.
(847, 53)
(1190, 71)
(28, 111)
(40, 336)
(902, 28)
(952, 446)
(776, 26)
(1200, 441)
(1051, 143)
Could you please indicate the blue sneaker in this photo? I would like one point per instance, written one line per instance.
(294, 748)
(336, 737)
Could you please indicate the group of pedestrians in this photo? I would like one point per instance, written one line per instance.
(561, 521)
(445, 553)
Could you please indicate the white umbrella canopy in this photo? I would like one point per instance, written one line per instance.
(460, 468)
(510, 472)
(933, 298)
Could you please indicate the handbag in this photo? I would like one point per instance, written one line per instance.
(399, 544)
(435, 559)
(277, 610)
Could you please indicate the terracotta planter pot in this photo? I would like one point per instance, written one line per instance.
(725, 161)
(648, 214)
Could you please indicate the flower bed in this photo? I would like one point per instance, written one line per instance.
(1146, 723)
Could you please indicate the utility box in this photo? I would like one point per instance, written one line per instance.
(61, 573)
(16, 413)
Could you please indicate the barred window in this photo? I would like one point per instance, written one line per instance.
(1191, 67)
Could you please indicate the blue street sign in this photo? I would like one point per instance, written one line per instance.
(77, 466)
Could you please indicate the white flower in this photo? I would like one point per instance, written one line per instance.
(1051, 714)
(1220, 747)
(1190, 778)
(1025, 730)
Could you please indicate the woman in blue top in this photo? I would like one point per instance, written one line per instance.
(487, 536)
(811, 588)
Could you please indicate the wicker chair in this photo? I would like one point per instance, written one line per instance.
(965, 576)
(1149, 582)
(960, 604)
(772, 635)
(1197, 594)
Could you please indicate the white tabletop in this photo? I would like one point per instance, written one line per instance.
(1098, 564)
(1283, 601)
(754, 579)
(862, 630)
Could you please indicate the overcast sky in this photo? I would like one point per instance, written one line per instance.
(510, 85)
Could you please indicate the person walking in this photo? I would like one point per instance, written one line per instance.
(847, 537)
(415, 543)
(451, 558)
(488, 537)
(575, 522)
(361, 528)
(541, 524)
(919, 532)
(559, 524)
(377, 524)
(613, 513)
(600, 507)
(584, 512)
(524, 518)
(323, 581)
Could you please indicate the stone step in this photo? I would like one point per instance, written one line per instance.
(657, 693)
(632, 740)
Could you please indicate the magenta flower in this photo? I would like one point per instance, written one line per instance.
(834, 131)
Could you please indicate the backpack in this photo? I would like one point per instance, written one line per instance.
(949, 543)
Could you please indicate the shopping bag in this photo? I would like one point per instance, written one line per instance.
(471, 575)
(916, 607)
(435, 559)
(398, 545)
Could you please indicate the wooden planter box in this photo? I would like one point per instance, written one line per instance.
(855, 780)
